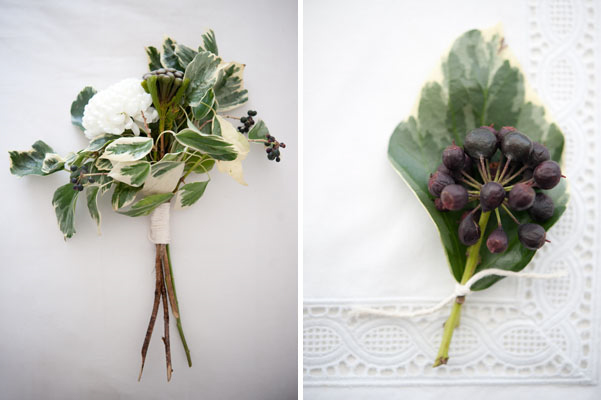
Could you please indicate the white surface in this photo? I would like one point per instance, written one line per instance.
(365, 234)
(74, 313)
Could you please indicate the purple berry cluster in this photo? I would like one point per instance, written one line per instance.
(473, 175)
(247, 122)
(79, 176)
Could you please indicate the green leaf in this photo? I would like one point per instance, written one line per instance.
(29, 162)
(163, 177)
(92, 201)
(184, 54)
(147, 204)
(123, 195)
(154, 58)
(52, 163)
(202, 73)
(128, 149)
(229, 87)
(258, 131)
(102, 164)
(205, 106)
(99, 142)
(64, 201)
(480, 85)
(169, 59)
(213, 145)
(131, 173)
(201, 163)
(190, 193)
(78, 106)
(210, 44)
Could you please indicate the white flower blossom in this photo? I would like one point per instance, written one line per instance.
(117, 108)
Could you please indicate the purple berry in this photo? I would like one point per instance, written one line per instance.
(469, 230)
(453, 157)
(438, 205)
(492, 195)
(521, 197)
(547, 174)
(538, 154)
(542, 209)
(501, 133)
(480, 143)
(438, 181)
(532, 236)
(454, 197)
(516, 146)
(497, 241)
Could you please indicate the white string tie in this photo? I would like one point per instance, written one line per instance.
(159, 224)
(460, 291)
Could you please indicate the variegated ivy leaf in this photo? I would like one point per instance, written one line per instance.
(154, 58)
(202, 163)
(64, 201)
(189, 194)
(258, 131)
(163, 177)
(131, 173)
(52, 163)
(229, 87)
(29, 162)
(209, 42)
(147, 204)
(214, 146)
(99, 142)
(202, 73)
(240, 143)
(184, 54)
(206, 105)
(481, 84)
(102, 164)
(92, 201)
(168, 58)
(123, 195)
(79, 104)
(128, 149)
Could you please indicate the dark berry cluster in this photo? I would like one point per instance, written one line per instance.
(78, 177)
(169, 81)
(273, 148)
(247, 121)
(476, 175)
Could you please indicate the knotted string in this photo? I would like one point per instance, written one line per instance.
(460, 291)
(159, 225)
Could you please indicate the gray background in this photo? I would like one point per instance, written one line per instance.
(74, 313)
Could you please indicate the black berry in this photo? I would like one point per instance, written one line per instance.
(243, 119)
(438, 205)
(503, 132)
(532, 236)
(74, 180)
(542, 209)
(73, 168)
(454, 197)
(469, 230)
(538, 154)
(547, 174)
(492, 195)
(453, 157)
(516, 146)
(497, 241)
(521, 197)
(252, 113)
(277, 159)
(480, 143)
(438, 181)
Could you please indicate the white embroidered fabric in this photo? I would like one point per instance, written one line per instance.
(549, 331)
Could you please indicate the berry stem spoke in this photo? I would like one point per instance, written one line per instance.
(470, 184)
(487, 170)
(499, 167)
(498, 216)
(507, 162)
(482, 171)
(512, 177)
(470, 178)
(510, 214)
(470, 266)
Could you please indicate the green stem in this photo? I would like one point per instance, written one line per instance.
(178, 318)
(470, 266)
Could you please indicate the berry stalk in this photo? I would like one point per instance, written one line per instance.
(453, 321)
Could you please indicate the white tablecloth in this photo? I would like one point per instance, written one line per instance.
(74, 314)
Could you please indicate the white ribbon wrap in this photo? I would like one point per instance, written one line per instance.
(460, 290)
(159, 224)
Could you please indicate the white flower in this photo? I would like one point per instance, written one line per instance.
(117, 108)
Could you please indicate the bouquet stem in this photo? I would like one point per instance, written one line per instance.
(453, 321)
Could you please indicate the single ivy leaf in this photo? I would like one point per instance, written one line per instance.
(102, 164)
(29, 162)
(131, 173)
(168, 58)
(78, 106)
(190, 193)
(123, 195)
(163, 178)
(480, 85)
(154, 58)
(98, 143)
(184, 54)
(92, 202)
(147, 204)
(229, 87)
(214, 146)
(258, 131)
(209, 42)
(202, 73)
(128, 149)
(204, 106)
(64, 201)
(52, 163)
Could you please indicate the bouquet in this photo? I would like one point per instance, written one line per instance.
(483, 158)
(148, 137)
